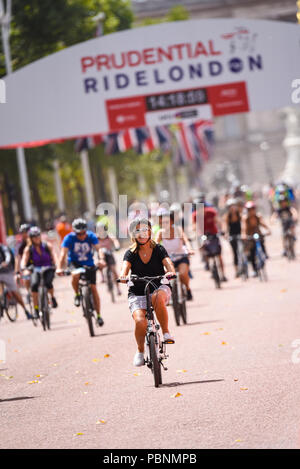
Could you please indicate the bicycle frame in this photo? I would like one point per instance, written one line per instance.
(152, 331)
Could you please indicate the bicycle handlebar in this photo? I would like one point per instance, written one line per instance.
(135, 278)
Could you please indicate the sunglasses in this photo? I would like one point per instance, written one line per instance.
(81, 233)
(141, 230)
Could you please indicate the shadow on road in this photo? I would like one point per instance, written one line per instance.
(114, 333)
(16, 399)
(197, 323)
(174, 385)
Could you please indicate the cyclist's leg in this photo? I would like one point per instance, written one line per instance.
(49, 276)
(9, 281)
(75, 283)
(160, 299)
(139, 316)
(35, 282)
(96, 298)
(234, 246)
(91, 276)
(183, 270)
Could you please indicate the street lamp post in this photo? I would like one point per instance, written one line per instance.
(5, 18)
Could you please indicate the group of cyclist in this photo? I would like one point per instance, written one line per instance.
(162, 248)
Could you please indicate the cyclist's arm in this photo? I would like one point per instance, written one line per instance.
(126, 266)
(294, 214)
(158, 237)
(18, 264)
(262, 223)
(62, 258)
(244, 228)
(52, 253)
(274, 217)
(115, 242)
(169, 266)
(101, 254)
(25, 258)
(186, 241)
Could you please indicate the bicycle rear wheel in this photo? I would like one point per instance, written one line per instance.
(88, 310)
(110, 284)
(183, 306)
(215, 274)
(11, 308)
(176, 305)
(156, 366)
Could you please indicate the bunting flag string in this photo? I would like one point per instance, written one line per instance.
(189, 142)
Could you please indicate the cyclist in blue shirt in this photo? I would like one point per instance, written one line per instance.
(79, 246)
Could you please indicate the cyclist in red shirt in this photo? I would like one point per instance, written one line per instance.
(205, 214)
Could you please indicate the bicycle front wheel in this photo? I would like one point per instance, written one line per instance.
(155, 365)
(45, 309)
(11, 308)
(88, 310)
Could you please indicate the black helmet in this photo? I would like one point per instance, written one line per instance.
(24, 228)
(79, 224)
(34, 231)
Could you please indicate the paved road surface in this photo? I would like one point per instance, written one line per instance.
(232, 366)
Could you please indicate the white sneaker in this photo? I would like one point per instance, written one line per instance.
(139, 359)
(168, 339)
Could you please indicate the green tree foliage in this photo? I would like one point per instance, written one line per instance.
(177, 13)
(39, 28)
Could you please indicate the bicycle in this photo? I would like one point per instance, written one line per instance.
(289, 243)
(8, 304)
(21, 278)
(86, 296)
(179, 297)
(109, 273)
(260, 257)
(155, 347)
(43, 298)
(212, 251)
(242, 258)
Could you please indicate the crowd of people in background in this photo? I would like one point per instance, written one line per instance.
(175, 229)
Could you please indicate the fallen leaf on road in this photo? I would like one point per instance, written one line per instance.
(238, 441)
(78, 434)
(96, 360)
(224, 343)
(235, 379)
(107, 355)
(87, 383)
(206, 333)
(178, 394)
(100, 421)
(242, 388)
(35, 381)
(137, 374)
(283, 290)
(181, 371)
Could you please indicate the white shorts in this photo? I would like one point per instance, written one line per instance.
(139, 302)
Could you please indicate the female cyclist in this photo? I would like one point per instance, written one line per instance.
(178, 247)
(146, 258)
(39, 254)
